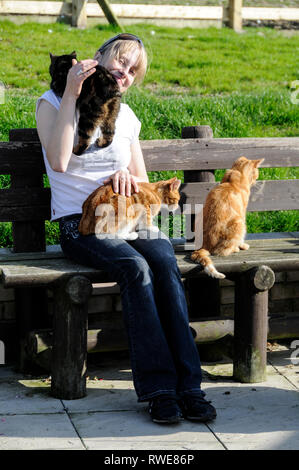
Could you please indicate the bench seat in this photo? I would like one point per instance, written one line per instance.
(39, 269)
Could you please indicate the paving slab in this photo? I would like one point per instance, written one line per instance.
(135, 431)
(285, 360)
(40, 431)
(258, 427)
(27, 396)
(256, 416)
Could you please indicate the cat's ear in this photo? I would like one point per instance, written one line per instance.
(227, 176)
(258, 163)
(74, 54)
(175, 184)
(231, 176)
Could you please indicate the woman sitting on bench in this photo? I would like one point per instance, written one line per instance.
(165, 361)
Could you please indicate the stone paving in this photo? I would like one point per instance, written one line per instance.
(250, 416)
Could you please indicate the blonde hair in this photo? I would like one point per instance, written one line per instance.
(120, 47)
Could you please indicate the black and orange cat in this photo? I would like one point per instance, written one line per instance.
(98, 103)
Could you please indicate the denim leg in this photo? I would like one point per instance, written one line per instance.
(173, 312)
(154, 371)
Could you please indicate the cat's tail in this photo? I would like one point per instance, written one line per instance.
(202, 256)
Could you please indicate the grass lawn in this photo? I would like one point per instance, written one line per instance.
(239, 84)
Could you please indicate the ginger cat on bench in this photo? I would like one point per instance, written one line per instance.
(224, 214)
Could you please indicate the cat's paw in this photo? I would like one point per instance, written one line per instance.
(244, 246)
(153, 228)
(79, 149)
(102, 142)
(103, 236)
(131, 236)
(127, 236)
(196, 256)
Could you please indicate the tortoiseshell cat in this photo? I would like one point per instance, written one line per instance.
(108, 214)
(98, 103)
(224, 214)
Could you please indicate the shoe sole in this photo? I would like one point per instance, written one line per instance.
(201, 419)
(173, 420)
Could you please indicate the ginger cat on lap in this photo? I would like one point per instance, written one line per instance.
(110, 215)
(224, 214)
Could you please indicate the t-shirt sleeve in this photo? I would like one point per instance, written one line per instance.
(137, 128)
(51, 98)
(135, 124)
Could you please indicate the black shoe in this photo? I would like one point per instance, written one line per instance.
(196, 408)
(165, 409)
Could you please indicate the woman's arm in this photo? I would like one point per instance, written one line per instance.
(137, 165)
(123, 180)
(56, 127)
(56, 132)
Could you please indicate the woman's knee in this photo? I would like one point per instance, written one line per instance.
(134, 269)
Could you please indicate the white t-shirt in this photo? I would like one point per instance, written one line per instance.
(86, 172)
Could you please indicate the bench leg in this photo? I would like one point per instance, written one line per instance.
(69, 354)
(31, 313)
(251, 324)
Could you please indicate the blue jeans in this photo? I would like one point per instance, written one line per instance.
(164, 357)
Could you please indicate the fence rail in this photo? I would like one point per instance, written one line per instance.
(233, 13)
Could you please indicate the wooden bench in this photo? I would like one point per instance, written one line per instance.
(31, 267)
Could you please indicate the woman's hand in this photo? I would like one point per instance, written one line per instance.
(77, 74)
(122, 182)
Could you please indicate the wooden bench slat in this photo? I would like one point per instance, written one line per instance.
(256, 240)
(24, 204)
(266, 195)
(24, 135)
(21, 158)
(205, 154)
(183, 154)
(279, 255)
(23, 197)
(25, 214)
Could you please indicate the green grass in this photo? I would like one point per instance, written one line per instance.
(240, 85)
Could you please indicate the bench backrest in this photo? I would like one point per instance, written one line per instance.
(27, 203)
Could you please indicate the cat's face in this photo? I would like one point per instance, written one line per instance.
(170, 193)
(123, 69)
(58, 70)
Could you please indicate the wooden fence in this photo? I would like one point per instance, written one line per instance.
(78, 12)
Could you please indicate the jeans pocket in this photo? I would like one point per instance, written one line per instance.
(69, 229)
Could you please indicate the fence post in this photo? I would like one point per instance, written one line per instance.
(235, 14)
(108, 12)
(79, 15)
